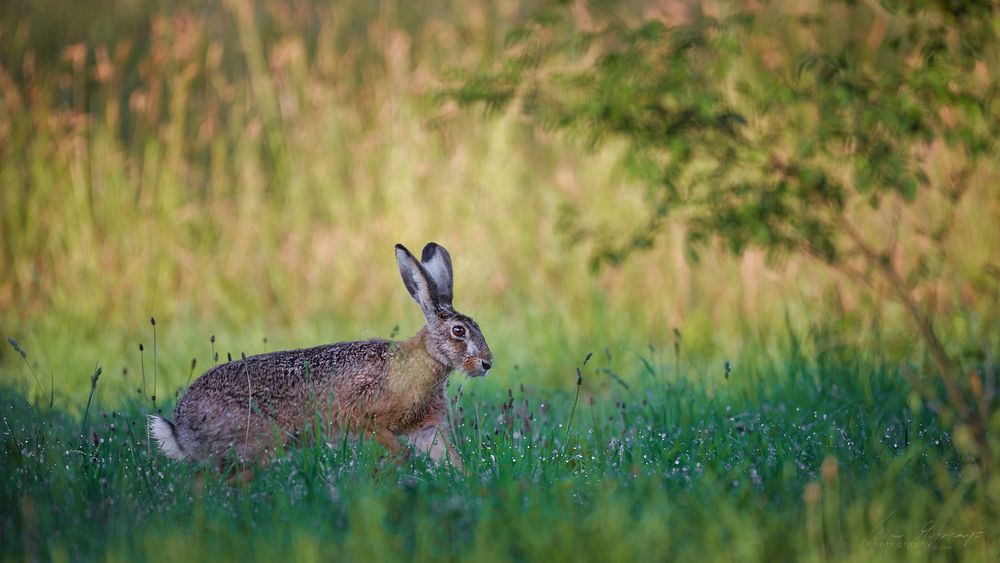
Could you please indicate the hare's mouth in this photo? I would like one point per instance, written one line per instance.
(475, 373)
(475, 367)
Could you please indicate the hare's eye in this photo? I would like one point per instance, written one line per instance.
(458, 331)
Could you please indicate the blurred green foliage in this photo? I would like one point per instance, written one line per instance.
(766, 127)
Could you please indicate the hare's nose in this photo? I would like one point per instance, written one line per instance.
(487, 365)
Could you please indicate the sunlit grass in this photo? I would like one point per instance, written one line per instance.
(252, 183)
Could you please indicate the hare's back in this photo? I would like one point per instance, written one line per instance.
(276, 378)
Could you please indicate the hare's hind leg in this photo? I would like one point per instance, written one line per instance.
(234, 471)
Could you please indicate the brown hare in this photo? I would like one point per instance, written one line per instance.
(385, 388)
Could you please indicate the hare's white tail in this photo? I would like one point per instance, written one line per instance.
(166, 435)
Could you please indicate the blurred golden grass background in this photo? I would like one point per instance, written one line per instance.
(243, 169)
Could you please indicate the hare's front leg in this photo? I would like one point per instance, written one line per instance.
(389, 441)
(433, 441)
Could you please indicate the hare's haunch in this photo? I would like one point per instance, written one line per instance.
(388, 388)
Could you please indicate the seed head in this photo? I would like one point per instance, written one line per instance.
(17, 348)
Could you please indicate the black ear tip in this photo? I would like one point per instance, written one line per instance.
(429, 251)
(401, 247)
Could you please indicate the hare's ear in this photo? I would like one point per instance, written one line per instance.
(437, 263)
(417, 282)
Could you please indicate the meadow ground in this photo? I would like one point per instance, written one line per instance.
(828, 457)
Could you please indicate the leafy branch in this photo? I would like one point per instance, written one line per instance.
(775, 131)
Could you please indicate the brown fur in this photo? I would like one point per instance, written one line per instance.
(399, 387)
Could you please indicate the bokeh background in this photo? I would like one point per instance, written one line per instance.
(242, 169)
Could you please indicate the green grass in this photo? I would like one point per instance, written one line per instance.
(788, 457)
